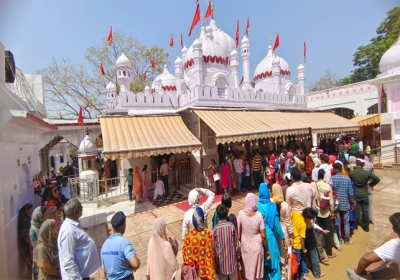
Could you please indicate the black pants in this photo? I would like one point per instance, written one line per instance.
(362, 205)
(256, 179)
(326, 223)
(247, 182)
(165, 181)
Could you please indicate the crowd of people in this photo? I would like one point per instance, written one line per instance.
(306, 206)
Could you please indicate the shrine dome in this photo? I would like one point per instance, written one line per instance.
(212, 51)
(123, 61)
(87, 147)
(111, 87)
(264, 68)
(222, 39)
(168, 81)
(390, 61)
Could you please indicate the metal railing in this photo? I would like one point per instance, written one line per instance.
(387, 152)
(193, 178)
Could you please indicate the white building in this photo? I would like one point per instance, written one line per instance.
(214, 106)
(21, 126)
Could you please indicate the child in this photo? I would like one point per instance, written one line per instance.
(310, 243)
(247, 178)
(299, 235)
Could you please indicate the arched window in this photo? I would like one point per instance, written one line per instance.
(344, 112)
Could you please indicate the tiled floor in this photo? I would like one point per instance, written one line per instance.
(139, 226)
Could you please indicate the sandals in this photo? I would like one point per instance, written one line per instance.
(333, 255)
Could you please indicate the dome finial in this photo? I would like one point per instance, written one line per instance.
(202, 20)
(197, 35)
(212, 10)
(300, 61)
(270, 40)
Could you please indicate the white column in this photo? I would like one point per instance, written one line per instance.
(314, 140)
(234, 61)
(245, 49)
(301, 76)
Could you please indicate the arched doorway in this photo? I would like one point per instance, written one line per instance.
(373, 109)
(344, 112)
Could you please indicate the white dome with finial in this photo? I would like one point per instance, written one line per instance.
(225, 41)
(168, 81)
(111, 87)
(390, 61)
(123, 61)
(264, 68)
(87, 147)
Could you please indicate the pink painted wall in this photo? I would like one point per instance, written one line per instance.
(395, 98)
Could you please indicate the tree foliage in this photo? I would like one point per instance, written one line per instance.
(366, 58)
(327, 81)
(68, 86)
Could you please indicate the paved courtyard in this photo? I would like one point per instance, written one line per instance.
(139, 227)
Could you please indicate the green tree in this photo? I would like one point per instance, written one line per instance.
(68, 86)
(366, 58)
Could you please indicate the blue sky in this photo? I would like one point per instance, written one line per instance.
(37, 30)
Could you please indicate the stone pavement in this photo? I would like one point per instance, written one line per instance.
(139, 227)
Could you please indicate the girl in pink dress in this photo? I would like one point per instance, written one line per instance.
(145, 182)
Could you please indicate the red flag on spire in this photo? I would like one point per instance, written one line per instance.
(144, 76)
(241, 82)
(276, 45)
(102, 69)
(152, 64)
(305, 52)
(247, 26)
(110, 38)
(182, 44)
(209, 11)
(237, 34)
(80, 116)
(196, 19)
(171, 40)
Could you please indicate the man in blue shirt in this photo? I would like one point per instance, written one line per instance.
(117, 254)
(343, 188)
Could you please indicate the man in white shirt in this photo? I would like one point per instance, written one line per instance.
(388, 252)
(78, 254)
(238, 163)
(194, 198)
(67, 191)
(325, 166)
(158, 189)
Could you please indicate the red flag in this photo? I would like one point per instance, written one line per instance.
(182, 41)
(152, 64)
(209, 11)
(144, 76)
(110, 39)
(276, 45)
(102, 69)
(171, 40)
(241, 82)
(247, 26)
(305, 52)
(196, 19)
(237, 34)
(80, 116)
(383, 95)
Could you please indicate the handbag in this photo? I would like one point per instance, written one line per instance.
(324, 202)
(336, 201)
(216, 177)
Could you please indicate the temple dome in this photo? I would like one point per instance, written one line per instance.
(111, 87)
(168, 81)
(123, 61)
(390, 61)
(264, 68)
(87, 147)
(222, 39)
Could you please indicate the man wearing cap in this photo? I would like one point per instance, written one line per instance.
(117, 254)
(362, 180)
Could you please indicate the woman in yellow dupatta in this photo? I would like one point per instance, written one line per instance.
(137, 184)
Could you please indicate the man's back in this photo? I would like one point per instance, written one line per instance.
(115, 254)
(299, 196)
(225, 246)
(342, 187)
(360, 178)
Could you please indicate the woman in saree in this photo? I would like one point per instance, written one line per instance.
(38, 217)
(161, 259)
(273, 230)
(198, 247)
(251, 232)
(137, 184)
(24, 224)
(46, 251)
(286, 224)
(145, 182)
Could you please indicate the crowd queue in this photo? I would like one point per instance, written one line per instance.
(306, 206)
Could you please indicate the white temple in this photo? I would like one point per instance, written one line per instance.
(207, 75)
